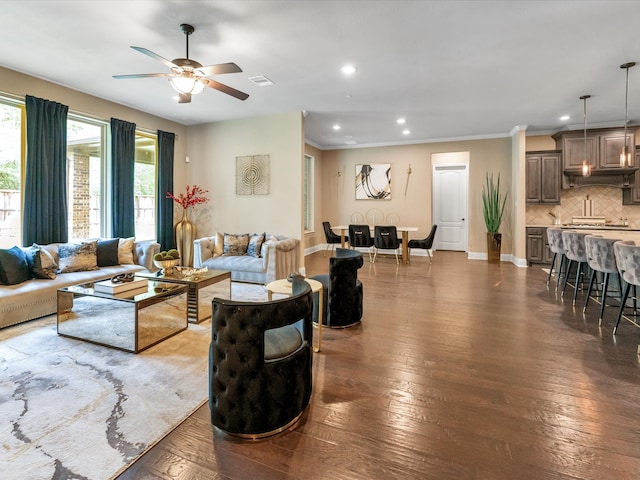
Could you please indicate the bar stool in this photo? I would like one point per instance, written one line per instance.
(601, 258)
(627, 254)
(574, 250)
(554, 237)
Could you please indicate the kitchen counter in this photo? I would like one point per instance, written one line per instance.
(568, 226)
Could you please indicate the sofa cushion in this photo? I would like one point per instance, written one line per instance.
(107, 252)
(14, 268)
(77, 257)
(125, 251)
(255, 244)
(41, 262)
(235, 244)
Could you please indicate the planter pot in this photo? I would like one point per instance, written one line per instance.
(494, 243)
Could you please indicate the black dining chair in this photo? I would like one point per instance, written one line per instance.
(425, 243)
(360, 237)
(331, 237)
(385, 237)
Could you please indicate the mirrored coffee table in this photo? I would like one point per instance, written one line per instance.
(132, 321)
(202, 288)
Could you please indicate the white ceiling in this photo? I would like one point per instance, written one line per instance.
(453, 69)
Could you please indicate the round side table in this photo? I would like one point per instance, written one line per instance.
(283, 286)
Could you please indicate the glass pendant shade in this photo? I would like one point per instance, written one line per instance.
(625, 156)
(586, 165)
(187, 84)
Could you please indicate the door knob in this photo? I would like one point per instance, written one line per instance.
(462, 219)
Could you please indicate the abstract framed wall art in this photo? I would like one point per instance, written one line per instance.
(373, 181)
(252, 175)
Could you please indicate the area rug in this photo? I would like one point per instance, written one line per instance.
(74, 410)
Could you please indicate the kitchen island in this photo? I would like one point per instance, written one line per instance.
(538, 252)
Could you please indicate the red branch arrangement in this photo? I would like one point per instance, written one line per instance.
(194, 196)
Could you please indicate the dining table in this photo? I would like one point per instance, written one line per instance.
(344, 230)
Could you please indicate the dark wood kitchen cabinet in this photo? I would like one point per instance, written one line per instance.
(538, 250)
(631, 196)
(543, 176)
(603, 148)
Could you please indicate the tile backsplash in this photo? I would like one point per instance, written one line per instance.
(607, 202)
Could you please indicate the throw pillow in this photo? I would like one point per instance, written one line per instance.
(255, 245)
(14, 268)
(41, 262)
(107, 252)
(218, 246)
(77, 257)
(235, 245)
(125, 251)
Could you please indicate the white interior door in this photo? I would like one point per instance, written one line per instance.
(450, 207)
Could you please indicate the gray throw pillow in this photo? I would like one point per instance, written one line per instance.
(107, 252)
(235, 245)
(41, 262)
(255, 245)
(77, 257)
(14, 268)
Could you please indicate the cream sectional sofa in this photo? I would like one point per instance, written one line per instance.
(279, 256)
(38, 297)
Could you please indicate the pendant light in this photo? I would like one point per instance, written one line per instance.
(625, 156)
(586, 165)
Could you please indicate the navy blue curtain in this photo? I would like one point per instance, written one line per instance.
(164, 220)
(123, 151)
(44, 217)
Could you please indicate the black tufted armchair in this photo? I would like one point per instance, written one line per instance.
(342, 297)
(260, 361)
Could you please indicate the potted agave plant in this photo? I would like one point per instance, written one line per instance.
(493, 205)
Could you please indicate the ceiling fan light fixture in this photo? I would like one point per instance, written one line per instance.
(186, 84)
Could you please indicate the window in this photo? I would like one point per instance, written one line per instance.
(86, 204)
(145, 186)
(307, 194)
(11, 162)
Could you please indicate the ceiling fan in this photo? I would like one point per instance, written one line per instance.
(189, 77)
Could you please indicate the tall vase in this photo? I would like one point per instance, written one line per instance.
(494, 244)
(185, 234)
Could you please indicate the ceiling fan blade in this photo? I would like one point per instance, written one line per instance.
(219, 69)
(225, 89)
(144, 75)
(184, 98)
(157, 57)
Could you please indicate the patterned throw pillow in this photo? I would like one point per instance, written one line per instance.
(255, 244)
(41, 262)
(14, 268)
(235, 245)
(77, 257)
(218, 247)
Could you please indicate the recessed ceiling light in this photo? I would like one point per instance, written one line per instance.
(564, 118)
(406, 132)
(336, 127)
(401, 121)
(348, 69)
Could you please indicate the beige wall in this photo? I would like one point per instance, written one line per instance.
(338, 184)
(212, 150)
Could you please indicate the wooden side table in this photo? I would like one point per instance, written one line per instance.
(283, 286)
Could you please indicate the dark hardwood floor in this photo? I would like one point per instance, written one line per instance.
(459, 370)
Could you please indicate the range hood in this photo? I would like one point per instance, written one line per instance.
(614, 177)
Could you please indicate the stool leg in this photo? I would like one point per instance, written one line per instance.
(575, 290)
(561, 270)
(605, 285)
(566, 276)
(591, 280)
(553, 262)
(625, 295)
